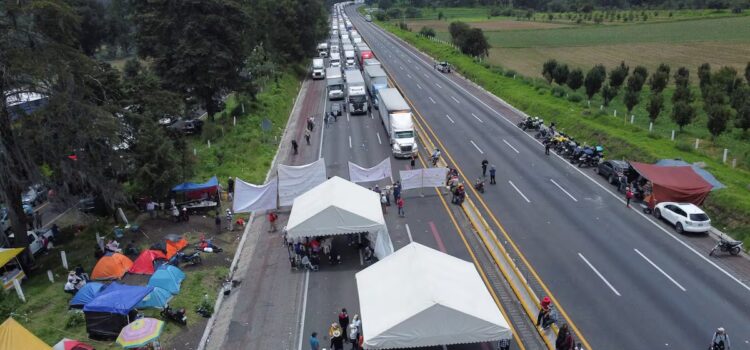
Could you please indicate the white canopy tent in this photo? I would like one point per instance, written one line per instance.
(419, 296)
(339, 207)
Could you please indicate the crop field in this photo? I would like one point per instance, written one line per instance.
(524, 46)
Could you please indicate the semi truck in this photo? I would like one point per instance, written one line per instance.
(396, 116)
(356, 93)
(375, 79)
(349, 59)
(318, 68)
(323, 50)
(334, 83)
(363, 52)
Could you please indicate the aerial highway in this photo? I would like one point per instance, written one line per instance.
(624, 280)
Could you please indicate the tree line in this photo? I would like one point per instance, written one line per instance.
(98, 132)
(725, 93)
(575, 5)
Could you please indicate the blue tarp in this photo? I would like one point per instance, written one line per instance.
(192, 186)
(156, 299)
(86, 294)
(698, 170)
(168, 278)
(118, 299)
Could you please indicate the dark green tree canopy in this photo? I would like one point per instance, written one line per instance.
(575, 79)
(594, 80)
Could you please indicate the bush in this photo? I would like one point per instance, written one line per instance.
(684, 146)
(413, 12)
(576, 98)
(558, 91)
(381, 16)
(403, 26)
(75, 319)
(393, 13)
(427, 31)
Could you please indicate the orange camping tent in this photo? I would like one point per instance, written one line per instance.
(111, 266)
(174, 247)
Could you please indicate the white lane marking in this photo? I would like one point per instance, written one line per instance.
(511, 146)
(401, 67)
(438, 85)
(433, 101)
(660, 270)
(519, 191)
(408, 233)
(531, 137)
(455, 99)
(350, 142)
(599, 274)
(347, 117)
(562, 189)
(477, 118)
(41, 206)
(477, 147)
(449, 118)
(408, 75)
(419, 86)
(379, 142)
(426, 76)
(304, 310)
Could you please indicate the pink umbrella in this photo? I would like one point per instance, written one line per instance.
(140, 332)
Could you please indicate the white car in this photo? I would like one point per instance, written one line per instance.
(686, 217)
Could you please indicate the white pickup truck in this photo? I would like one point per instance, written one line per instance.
(35, 239)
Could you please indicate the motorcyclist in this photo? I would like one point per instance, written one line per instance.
(435, 156)
(720, 340)
(479, 185)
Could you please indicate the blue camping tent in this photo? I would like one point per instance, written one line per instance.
(118, 298)
(156, 299)
(167, 277)
(192, 186)
(86, 294)
(698, 170)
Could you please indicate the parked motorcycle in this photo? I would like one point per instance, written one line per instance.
(190, 259)
(526, 123)
(177, 315)
(732, 247)
(479, 185)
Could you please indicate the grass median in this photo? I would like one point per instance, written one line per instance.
(729, 208)
(243, 150)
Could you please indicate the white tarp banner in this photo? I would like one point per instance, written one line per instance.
(249, 197)
(434, 177)
(296, 180)
(430, 177)
(410, 179)
(378, 172)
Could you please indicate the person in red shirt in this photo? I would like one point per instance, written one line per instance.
(628, 196)
(400, 204)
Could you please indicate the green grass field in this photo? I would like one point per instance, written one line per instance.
(729, 208)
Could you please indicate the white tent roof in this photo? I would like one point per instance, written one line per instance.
(335, 207)
(419, 296)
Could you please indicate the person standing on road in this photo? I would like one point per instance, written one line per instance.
(628, 196)
(38, 219)
(353, 332)
(484, 167)
(272, 217)
(314, 342)
(307, 136)
(230, 220)
(396, 191)
(564, 339)
(343, 319)
(383, 202)
(311, 123)
(230, 187)
(217, 222)
(720, 340)
(413, 160)
(544, 310)
(492, 175)
(400, 204)
(294, 146)
(547, 145)
(151, 209)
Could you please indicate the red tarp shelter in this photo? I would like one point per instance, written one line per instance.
(111, 267)
(144, 265)
(674, 184)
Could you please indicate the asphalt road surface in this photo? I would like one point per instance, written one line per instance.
(361, 139)
(626, 281)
